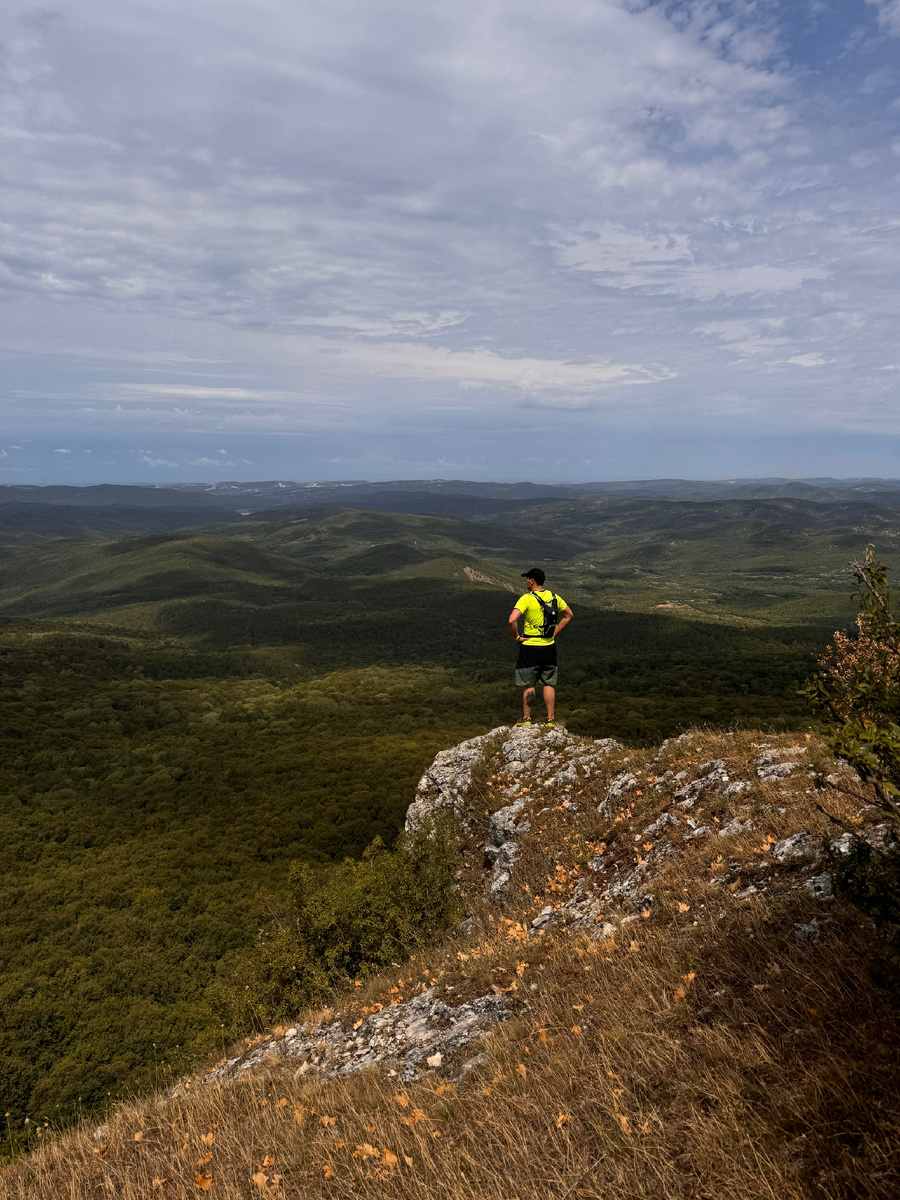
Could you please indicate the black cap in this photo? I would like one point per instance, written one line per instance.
(536, 574)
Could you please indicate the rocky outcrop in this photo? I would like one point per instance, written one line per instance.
(647, 816)
(776, 764)
(446, 782)
(624, 782)
(502, 849)
(530, 761)
(709, 774)
(412, 1036)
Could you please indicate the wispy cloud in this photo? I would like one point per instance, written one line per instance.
(810, 360)
(888, 14)
(149, 460)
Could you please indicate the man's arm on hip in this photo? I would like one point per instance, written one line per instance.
(514, 624)
(564, 620)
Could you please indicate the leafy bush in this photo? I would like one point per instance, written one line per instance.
(870, 879)
(353, 919)
(859, 689)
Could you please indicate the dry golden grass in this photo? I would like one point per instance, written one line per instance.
(703, 1052)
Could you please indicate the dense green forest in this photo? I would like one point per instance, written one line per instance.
(182, 716)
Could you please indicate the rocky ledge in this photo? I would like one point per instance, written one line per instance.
(643, 809)
(421, 1033)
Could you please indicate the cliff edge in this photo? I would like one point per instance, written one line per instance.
(651, 991)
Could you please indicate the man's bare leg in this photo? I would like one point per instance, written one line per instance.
(527, 702)
(550, 701)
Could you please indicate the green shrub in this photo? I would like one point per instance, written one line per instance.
(870, 879)
(858, 689)
(337, 925)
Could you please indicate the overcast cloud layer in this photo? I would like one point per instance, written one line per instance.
(484, 238)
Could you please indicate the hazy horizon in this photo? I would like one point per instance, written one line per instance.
(763, 480)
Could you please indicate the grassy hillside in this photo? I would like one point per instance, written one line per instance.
(726, 1040)
(779, 560)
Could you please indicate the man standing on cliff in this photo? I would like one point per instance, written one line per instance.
(546, 615)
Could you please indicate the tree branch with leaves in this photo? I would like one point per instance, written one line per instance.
(857, 689)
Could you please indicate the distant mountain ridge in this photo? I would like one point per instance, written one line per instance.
(255, 495)
(32, 522)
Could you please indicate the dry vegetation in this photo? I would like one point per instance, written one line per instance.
(705, 1051)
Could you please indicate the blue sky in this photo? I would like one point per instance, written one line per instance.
(328, 239)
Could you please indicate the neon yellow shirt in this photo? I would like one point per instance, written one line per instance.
(534, 615)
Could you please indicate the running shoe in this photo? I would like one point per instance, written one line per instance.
(527, 721)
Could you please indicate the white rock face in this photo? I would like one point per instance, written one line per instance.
(800, 845)
(737, 789)
(696, 830)
(734, 827)
(777, 770)
(447, 779)
(525, 751)
(821, 886)
(625, 782)
(505, 826)
(503, 848)
(711, 773)
(770, 765)
(658, 826)
(423, 1030)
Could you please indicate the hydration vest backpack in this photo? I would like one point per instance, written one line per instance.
(551, 614)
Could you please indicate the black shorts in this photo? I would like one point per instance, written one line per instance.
(536, 664)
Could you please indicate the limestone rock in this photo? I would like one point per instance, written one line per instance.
(734, 827)
(799, 845)
(696, 830)
(406, 1034)
(776, 770)
(776, 755)
(543, 917)
(810, 932)
(772, 764)
(500, 881)
(625, 782)
(713, 773)
(607, 745)
(503, 848)
(821, 886)
(504, 827)
(446, 781)
(654, 830)
(629, 885)
(737, 789)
